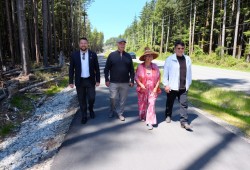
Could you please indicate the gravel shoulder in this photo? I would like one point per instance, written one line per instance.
(39, 138)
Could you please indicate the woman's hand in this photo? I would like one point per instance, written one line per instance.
(142, 86)
(155, 90)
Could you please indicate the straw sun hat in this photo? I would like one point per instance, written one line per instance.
(148, 51)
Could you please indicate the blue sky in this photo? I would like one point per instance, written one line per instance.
(112, 17)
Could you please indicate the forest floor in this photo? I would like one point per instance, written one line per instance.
(22, 95)
(33, 122)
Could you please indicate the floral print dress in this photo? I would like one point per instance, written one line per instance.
(147, 98)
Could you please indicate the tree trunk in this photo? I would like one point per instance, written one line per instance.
(45, 32)
(31, 29)
(71, 25)
(23, 41)
(162, 33)
(84, 21)
(193, 29)
(206, 25)
(62, 34)
(223, 28)
(241, 38)
(54, 30)
(10, 31)
(236, 29)
(190, 30)
(168, 34)
(69, 36)
(15, 32)
(50, 45)
(154, 37)
(152, 34)
(211, 30)
(36, 34)
(79, 20)
(1, 51)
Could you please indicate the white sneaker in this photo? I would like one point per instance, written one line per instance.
(142, 120)
(122, 118)
(150, 127)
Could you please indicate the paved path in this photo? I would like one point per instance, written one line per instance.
(109, 144)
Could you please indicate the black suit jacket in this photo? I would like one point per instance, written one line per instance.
(76, 69)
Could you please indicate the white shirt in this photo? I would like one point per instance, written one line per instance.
(171, 76)
(85, 64)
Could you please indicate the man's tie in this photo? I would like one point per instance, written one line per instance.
(83, 56)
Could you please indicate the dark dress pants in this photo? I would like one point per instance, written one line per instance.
(182, 97)
(86, 92)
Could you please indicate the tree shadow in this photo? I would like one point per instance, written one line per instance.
(229, 83)
(27, 138)
(205, 158)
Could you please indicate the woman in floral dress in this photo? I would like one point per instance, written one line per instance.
(148, 80)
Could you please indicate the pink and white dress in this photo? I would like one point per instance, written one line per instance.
(147, 98)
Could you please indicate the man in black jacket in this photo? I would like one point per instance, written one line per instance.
(84, 67)
(119, 75)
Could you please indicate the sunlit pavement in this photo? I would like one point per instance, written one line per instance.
(110, 144)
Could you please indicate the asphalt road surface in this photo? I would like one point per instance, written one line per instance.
(109, 144)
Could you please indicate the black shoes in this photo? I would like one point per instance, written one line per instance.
(84, 120)
(92, 114)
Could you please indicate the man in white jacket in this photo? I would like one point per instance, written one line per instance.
(177, 79)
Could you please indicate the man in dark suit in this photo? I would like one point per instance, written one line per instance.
(84, 67)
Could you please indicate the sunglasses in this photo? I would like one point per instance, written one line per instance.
(180, 48)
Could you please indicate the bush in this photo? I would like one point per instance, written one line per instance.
(218, 50)
(198, 51)
(229, 61)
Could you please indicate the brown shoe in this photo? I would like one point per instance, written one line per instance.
(186, 126)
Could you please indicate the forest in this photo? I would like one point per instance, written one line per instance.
(34, 33)
(220, 27)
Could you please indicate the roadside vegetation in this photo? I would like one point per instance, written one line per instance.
(20, 106)
(231, 106)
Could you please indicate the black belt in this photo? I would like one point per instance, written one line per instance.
(85, 77)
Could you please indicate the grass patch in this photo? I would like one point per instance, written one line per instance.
(6, 129)
(57, 87)
(231, 106)
(21, 102)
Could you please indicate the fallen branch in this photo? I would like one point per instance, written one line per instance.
(11, 71)
(35, 85)
(46, 68)
(2, 96)
(41, 101)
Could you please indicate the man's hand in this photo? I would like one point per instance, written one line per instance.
(167, 89)
(107, 83)
(71, 85)
(131, 84)
(97, 84)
